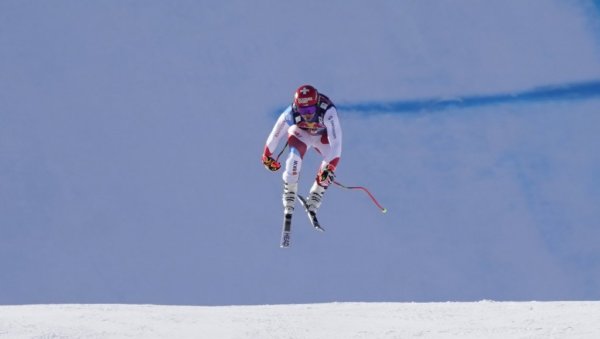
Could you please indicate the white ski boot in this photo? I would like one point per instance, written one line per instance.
(315, 198)
(289, 197)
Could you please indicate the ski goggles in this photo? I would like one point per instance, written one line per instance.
(308, 110)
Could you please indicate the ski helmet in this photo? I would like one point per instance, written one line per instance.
(306, 95)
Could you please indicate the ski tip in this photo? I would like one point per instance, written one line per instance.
(384, 210)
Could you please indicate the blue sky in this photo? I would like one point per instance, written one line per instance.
(131, 138)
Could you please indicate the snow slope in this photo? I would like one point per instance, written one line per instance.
(485, 319)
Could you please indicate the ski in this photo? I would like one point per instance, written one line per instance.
(312, 216)
(287, 230)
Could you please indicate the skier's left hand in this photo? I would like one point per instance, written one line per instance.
(326, 176)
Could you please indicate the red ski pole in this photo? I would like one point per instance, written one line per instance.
(383, 210)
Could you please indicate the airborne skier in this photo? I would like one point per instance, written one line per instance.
(310, 121)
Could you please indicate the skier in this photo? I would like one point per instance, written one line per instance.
(310, 121)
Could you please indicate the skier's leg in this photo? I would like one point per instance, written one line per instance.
(293, 165)
(290, 181)
(315, 197)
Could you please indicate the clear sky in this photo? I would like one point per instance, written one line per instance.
(131, 135)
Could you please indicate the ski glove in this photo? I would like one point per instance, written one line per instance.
(270, 163)
(326, 176)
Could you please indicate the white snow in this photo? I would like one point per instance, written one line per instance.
(484, 319)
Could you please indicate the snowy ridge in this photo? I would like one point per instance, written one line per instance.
(484, 319)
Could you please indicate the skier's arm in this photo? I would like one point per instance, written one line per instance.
(278, 132)
(334, 135)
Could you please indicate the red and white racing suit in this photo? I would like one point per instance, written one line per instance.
(323, 133)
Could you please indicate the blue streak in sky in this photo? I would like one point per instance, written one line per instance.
(575, 91)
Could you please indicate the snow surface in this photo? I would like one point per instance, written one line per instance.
(485, 319)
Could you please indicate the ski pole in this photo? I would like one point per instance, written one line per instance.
(383, 209)
(282, 150)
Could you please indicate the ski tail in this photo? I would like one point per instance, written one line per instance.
(286, 232)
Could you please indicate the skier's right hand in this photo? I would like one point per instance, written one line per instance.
(270, 163)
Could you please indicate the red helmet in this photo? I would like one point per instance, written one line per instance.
(306, 95)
